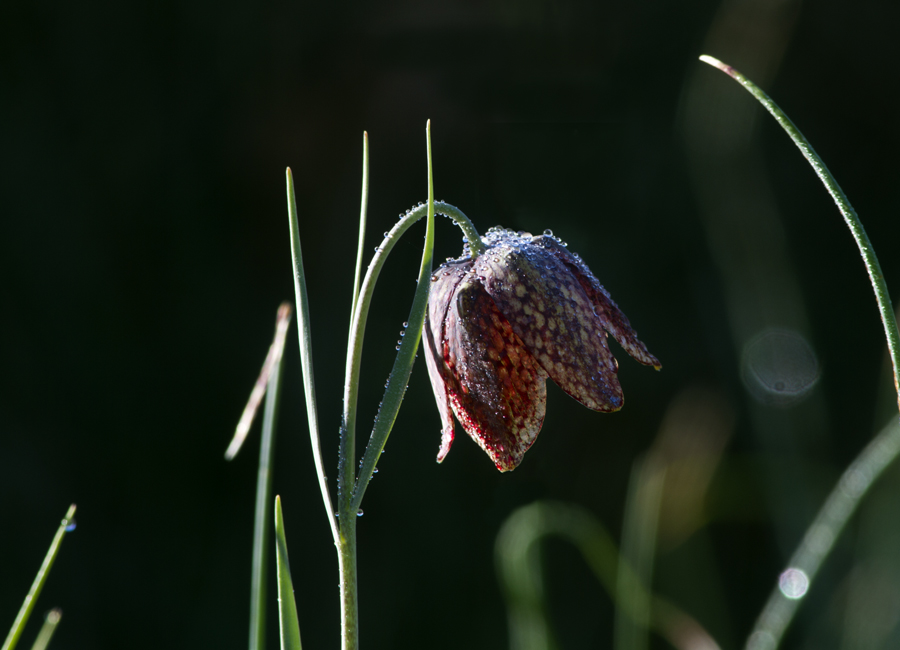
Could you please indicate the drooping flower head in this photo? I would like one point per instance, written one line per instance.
(499, 325)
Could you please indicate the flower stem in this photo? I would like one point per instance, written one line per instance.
(878, 454)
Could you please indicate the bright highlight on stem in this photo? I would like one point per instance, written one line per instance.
(878, 454)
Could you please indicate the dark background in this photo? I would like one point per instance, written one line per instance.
(144, 250)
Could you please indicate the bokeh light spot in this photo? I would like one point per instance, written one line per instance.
(793, 583)
(779, 367)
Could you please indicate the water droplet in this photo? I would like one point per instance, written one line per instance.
(375, 471)
(70, 525)
(397, 348)
(434, 278)
(405, 324)
(359, 513)
(377, 248)
(385, 233)
(548, 233)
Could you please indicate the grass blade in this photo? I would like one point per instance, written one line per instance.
(276, 351)
(517, 556)
(363, 207)
(873, 267)
(287, 607)
(303, 329)
(406, 356)
(261, 521)
(22, 617)
(856, 480)
(51, 620)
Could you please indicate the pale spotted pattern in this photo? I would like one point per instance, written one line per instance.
(496, 327)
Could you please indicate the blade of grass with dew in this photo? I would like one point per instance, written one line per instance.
(51, 620)
(873, 267)
(877, 455)
(363, 207)
(261, 521)
(406, 356)
(306, 361)
(518, 562)
(289, 624)
(25, 612)
(276, 351)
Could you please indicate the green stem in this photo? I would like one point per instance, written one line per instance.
(349, 588)
(879, 454)
(406, 356)
(357, 332)
(850, 217)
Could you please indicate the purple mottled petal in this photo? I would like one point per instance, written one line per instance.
(497, 390)
(443, 285)
(614, 321)
(551, 313)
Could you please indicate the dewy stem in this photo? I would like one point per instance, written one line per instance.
(878, 454)
(873, 267)
(360, 316)
(351, 489)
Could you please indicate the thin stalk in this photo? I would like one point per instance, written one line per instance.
(306, 361)
(25, 611)
(406, 357)
(349, 587)
(873, 267)
(878, 454)
(288, 623)
(261, 521)
(363, 206)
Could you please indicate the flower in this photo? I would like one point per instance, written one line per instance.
(498, 325)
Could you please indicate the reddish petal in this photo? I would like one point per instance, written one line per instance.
(443, 285)
(496, 388)
(551, 313)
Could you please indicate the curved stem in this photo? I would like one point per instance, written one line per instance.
(406, 355)
(879, 454)
(850, 217)
(357, 332)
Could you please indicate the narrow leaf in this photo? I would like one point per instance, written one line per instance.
(261, 523)
(306, 361)
(287, 607)
(18, 625)
(276, 351)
